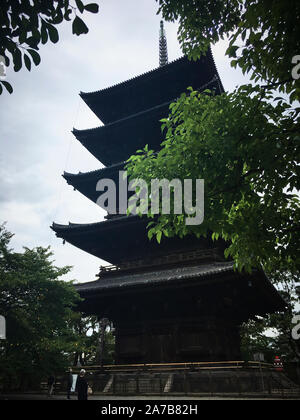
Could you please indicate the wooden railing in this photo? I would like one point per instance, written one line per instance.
(178, 366)
(196, 255)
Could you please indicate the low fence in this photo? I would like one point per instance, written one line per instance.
(213, 378)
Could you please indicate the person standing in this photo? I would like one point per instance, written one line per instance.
(82, 386)
(69, 384)
(51, 383)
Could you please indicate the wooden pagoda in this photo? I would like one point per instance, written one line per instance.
(179, 301)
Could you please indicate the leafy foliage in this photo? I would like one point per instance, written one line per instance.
(38, 308)
(245, 144)
(25, 25)
(281, 343)
(264, 34)
(245, 148)
(255, 340)
(88, 347)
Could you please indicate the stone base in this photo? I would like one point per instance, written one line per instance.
(223, 381)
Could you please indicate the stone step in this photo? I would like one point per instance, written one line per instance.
(108, 386)
(169, 383)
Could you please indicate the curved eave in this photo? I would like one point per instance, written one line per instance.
(102, 239)
(157, 275)
(86, 183)
(119, 240)
(83, 177)
(87, 228)
(122, 239)
(158, 86)
(259, 298)
(117, 141)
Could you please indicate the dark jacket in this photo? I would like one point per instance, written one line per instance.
(70, 380)
(82, 388)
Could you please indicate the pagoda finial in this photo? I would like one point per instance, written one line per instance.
(163, 46)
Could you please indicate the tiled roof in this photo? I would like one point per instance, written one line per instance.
(157, 276)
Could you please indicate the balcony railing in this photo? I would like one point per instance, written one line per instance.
(183, 257)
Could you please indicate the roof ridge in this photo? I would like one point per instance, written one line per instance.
(157, 69)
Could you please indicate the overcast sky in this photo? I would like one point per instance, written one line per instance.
(36, 121)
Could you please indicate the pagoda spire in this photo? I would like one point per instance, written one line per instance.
(163, 46)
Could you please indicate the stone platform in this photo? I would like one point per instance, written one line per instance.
(236, 378)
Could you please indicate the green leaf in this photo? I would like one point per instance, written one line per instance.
(27, 62)
(150, 224)
(232, 50)
(93, 8)
(151, 233)
(35, 57)
(53, 33)
(234, 63)
(7, 86)
(59, 17)
(33, 42)
(68, 14)
(23, 35)
(79, 27)
(44, 33)
(17, 58)
(80, 6)
(159, 236)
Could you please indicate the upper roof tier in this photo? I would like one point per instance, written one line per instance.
(155, 87)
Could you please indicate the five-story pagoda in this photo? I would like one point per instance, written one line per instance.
(178, 301)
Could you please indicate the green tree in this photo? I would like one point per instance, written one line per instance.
(288, 347)
(86, 347)
(26, 25)
(89, 349)
(246, 149)
(254, 339)
(244, 144)
(281, 342)
(38, 308)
